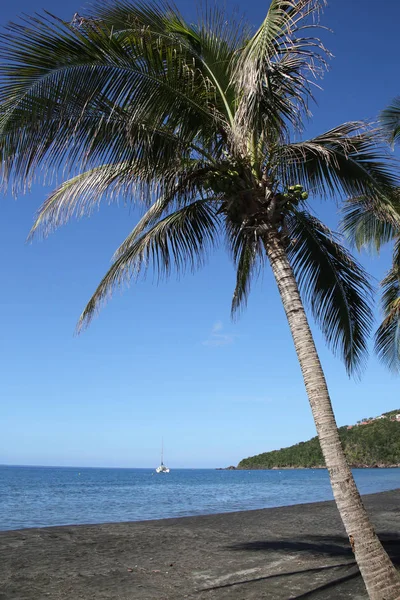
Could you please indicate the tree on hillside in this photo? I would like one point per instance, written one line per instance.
(199, 122)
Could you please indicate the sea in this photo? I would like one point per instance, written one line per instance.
(47, 496)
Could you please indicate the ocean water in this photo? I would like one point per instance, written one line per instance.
(45, 496)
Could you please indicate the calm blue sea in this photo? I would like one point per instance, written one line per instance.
(43, 496)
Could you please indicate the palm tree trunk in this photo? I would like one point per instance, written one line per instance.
(379, 574)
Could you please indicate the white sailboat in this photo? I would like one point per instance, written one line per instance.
(162, 468)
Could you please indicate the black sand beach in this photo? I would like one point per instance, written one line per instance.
(281, 553)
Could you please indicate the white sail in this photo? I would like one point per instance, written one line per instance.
(162, 468)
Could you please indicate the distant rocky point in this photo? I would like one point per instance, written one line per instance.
(231, 468)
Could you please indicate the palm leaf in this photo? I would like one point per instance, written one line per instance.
(387, 339)
(180, 239)
(186, 186)
(61, 87)
(79, 196)
(213, 42)
(334, 285)
(347, 160)
(276, 64)
(371, 223)
(248, 256)
(390, 120)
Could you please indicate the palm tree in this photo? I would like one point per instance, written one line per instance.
(199, 123)
(388, 335)
(372, 224)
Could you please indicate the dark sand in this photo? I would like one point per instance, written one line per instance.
(280, 553)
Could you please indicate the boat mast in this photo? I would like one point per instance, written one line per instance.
(162, 451)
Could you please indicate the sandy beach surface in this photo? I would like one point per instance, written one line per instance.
(280, 553)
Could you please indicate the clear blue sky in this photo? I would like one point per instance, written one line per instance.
(166, 360)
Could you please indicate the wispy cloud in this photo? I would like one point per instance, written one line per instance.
(218, 337)
(217, 326)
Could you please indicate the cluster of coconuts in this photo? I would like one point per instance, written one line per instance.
(295, 192)
(224, 181)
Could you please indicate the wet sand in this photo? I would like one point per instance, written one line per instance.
(280, 553)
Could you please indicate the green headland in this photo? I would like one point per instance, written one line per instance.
(373, 442)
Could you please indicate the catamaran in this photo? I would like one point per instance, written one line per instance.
(162, 468)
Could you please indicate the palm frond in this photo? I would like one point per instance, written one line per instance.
(277, 64)
(248, 255)
(80, 195)
(334, 285)
(180, 240)
(347, 160)
(125, 15)
(186, 186)
(387, 339)
(370, 222)
(213, 42)
(390, 120)
(62, 86)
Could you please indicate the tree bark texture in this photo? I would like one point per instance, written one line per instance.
(380, 576)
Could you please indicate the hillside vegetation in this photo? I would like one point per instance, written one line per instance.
(375, 444)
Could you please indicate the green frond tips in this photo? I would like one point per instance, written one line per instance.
(390, 121)
(334, 285)
(371, 222)
(249, 255)
(180, 240)
(387, 339)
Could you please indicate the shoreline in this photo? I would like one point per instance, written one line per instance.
(139, 521)
(246, 511)
(293, 552)
(319, 467)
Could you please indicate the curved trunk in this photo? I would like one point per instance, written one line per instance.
(380, 576)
